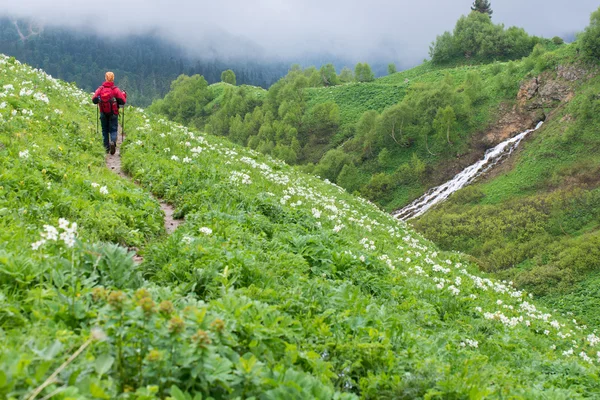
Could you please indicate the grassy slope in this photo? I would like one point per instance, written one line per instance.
(538, 222)
(281, 286)
(218, 91)
(499, 83)
(356, 98)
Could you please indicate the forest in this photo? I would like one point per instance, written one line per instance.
(144, 65)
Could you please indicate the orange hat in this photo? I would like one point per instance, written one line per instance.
(110, 77)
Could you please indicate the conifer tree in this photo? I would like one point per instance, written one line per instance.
(482, 6)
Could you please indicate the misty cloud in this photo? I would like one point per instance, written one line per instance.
(392, 31)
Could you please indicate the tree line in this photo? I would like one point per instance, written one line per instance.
(277, 122)
(145, 66)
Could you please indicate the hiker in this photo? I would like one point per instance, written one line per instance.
(109, 98)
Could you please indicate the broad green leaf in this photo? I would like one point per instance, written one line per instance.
(52, 351)
(177, 394)
(98, 392)
(103, 364)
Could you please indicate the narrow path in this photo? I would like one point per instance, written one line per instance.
(113, 162)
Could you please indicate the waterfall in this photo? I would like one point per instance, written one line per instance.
(440, 193)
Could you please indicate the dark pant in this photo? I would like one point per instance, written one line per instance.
(110, 123)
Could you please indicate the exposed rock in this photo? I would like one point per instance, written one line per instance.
(527, 91)
(570, 72)
(512, 122)
(554, 91)
(545, 91)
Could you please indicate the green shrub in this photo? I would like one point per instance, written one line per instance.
(590, 38)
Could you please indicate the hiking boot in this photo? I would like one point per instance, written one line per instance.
(113, 148)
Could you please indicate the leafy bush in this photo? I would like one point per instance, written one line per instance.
(590, 38)
(476, 36)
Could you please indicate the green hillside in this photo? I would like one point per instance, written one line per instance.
(388, 139)
(537, 220)
(533, 220)
(394, 137)
(278, 285)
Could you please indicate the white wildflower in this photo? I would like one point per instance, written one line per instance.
(585, 357)
(455, 291)
(593, 339)
(51, 233)
(38, 244)
(338, 228)
(470, 343)
(63, 224)
(240, 177)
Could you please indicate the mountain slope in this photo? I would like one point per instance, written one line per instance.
(535, 220)
(390, 139)
(278, 285)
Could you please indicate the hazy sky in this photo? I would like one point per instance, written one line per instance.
(397, 31)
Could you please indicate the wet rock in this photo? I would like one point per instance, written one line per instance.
(510, 124)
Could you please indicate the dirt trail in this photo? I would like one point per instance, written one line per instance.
(114, 164)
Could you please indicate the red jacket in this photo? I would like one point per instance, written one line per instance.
(109, 90)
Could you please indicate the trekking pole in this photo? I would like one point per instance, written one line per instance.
(123, 125)
(97, 119)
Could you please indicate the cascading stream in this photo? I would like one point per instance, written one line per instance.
(440, 193)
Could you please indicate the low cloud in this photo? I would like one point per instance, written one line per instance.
(389, 31)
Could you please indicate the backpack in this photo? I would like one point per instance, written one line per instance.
(107, 100)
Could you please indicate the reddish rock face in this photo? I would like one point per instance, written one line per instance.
(527, 91)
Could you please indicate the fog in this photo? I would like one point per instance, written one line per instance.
(391, 31)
